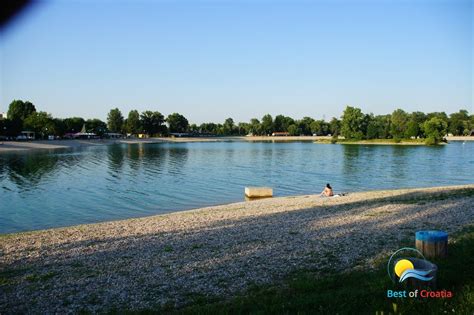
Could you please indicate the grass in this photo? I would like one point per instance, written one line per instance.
(40, 277)
(356, 291)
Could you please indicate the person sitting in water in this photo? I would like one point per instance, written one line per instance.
(327, 192)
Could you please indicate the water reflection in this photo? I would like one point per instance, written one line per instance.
(351, 159)
(115, 158)
(176, 160)
(28, 170)
(46, 189)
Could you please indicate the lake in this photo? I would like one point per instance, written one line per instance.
(43, 189)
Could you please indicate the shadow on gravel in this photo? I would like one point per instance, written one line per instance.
(226, 257)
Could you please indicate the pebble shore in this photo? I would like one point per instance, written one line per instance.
(216, 251)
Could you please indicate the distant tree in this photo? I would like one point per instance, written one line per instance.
(193, 128)
(278, 123)
(133, 125)
(459, 123)
(281, 123)
(41, 123)
(471, 124)
(335, 127)
(304, 125)
(228, 127)
(115, 120)
(255, 127)
(5, 127)
(434, 129)
(152, 123)
(59, 127)
(267, 124)
(96, 126)
(243, 128)
(378, 127)
(18, 111)
(293, 130)
(208, 128)
(440, 115)
(177, 123)
(320, 128)
(220, 130)
(415, 125)
(73, 124)
(352, 123)
(374, 127)
(399, 122)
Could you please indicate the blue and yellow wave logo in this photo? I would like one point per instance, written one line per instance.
(410, 267)
(405, 269)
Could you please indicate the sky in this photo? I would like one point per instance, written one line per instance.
(210, 60)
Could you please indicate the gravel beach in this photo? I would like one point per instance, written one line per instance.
(215, 251)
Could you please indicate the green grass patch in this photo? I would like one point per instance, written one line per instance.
(8, 276)
(358, 291)
(40, 277)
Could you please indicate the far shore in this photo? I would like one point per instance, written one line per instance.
(12, 146)
(215, 252)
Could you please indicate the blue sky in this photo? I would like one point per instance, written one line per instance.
(210, 60)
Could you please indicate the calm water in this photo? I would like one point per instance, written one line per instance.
(59, 188)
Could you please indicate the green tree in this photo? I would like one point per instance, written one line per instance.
(59, 127)
(193, 128)
(434, 129)
(177, 123)
(228, 127)
(152, 123)
(41, 123)
(374, 127)
(281, 123)
(293, 130)
(6, 128)
(352, 123)
(133, 125)
(415, 125)
(267, 125)
(73, 124)
(115, 120)
(399, 122)
(243, 128)
(208, 128)
(304, 125)
(255, 127)
(335, 127)
(459, 123)
(96, 126)
(319, 127)
(18, 111)
(440, 115)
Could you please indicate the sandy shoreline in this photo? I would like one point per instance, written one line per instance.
(18, 146)
(214, 251)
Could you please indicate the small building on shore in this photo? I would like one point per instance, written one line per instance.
(85, 135)
(280, 134)
(113, 135)
(26, 135)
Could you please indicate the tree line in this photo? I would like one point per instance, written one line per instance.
(353, 124)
